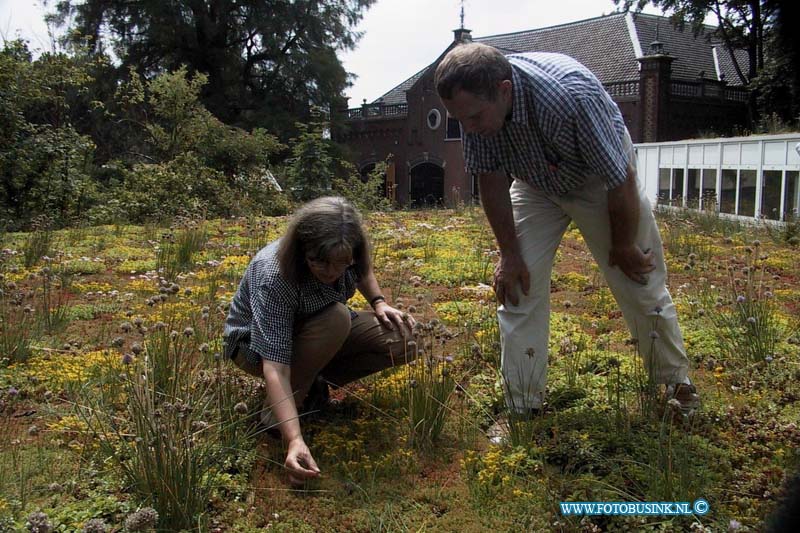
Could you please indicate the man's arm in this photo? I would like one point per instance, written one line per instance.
(623, 213)
(511, 270)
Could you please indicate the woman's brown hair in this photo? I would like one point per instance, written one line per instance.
(320, 229)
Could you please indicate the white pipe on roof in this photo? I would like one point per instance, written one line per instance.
(716, 62)
(637, 46)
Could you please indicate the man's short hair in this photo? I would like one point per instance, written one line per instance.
(472, 67)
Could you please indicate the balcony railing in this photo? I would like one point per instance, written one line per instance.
(622, 88)
(617, 89)
(707, 89)
(370, 111)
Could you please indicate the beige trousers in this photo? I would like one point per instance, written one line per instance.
(541, 221)
(338, 348)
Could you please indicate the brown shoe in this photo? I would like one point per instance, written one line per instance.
(683, 398)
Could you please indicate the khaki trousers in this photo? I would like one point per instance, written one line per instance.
(338, 348)
(540, 221)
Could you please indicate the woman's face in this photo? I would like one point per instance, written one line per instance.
(329, 269)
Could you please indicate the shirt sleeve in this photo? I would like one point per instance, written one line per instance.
(271, 327)
(599, 131)
(478, 156)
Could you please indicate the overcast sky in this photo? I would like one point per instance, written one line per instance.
(400, 36)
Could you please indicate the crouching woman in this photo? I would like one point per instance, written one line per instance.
(288, 321)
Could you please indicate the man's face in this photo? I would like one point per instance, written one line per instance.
(477, 114)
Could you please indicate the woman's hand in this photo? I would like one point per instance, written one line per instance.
(394, 318)
(300, 463)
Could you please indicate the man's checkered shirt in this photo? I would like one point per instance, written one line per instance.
(267, 307)
(563, 127)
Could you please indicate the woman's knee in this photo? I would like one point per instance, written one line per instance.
(338, 319)
(333, 323)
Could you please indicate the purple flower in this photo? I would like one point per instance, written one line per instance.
(740, 299)
(13, 392)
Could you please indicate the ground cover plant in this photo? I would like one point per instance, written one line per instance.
(118, 413)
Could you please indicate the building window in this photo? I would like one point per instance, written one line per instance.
(453, 128)
(771, 194)
(663, 186)
(747, 193)
(670, 186)
(709, 198)
(434, 119)
(677, 187)
(727, 200)
(791, 195)
(694, 188)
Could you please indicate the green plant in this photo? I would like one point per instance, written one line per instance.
(54, 308)
(311, 168)
(177, 249)
(257, 235)
(367, 194)
(786, 232)
(430, 385)
(37, 243)
(17, 327)
(176, 428)
(744, 313)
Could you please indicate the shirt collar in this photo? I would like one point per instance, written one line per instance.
(519, 108)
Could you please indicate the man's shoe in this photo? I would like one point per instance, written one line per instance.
(499, 433)
(683, 398)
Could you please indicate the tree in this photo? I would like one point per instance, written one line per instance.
(267, 61)
(779, 82)
(311, 169)
(45, 164)
(182, 157)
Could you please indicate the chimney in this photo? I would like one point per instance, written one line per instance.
(656, 48)
(462, 35)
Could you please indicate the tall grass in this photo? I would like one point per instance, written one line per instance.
(744, 313)
(54, 308)
(38, 242)
(177, 249)
(175, 429)
(430, 386)
(17, 327)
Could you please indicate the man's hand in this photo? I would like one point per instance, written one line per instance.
(633, 262)
(299, 463)
(391, 318)
(510, 271)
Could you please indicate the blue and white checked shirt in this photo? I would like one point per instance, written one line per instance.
(563, 127)
(266, 307)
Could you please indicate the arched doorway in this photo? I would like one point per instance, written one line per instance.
(427, 185)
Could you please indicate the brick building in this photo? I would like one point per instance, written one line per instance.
(669, 84)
